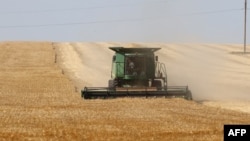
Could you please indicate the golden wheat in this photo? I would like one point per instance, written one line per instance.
(38, 102)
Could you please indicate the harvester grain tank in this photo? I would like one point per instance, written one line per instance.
(136, 72)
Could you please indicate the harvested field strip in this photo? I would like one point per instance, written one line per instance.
(38, 102)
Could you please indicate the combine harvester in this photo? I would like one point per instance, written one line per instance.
(136, 72)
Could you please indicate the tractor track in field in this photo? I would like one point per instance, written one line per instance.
(39, 101)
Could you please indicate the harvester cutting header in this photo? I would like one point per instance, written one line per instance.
(136, 72)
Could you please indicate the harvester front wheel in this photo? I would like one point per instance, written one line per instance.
(112, 84)
(157, 83)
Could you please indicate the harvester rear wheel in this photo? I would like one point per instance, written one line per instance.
(189, 95)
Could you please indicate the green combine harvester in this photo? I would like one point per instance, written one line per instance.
(136, 72)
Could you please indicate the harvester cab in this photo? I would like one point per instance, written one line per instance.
(136, 72)
(136, 67)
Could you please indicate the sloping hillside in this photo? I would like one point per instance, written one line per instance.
(39, 101)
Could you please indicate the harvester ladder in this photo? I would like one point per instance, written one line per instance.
(120, 69)
(160, 71)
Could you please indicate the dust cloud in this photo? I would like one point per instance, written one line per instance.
(211, 71)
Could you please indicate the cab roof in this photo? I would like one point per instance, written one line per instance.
(134, 50)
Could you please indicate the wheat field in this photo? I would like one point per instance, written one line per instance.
(40, 100)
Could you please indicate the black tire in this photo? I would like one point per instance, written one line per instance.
(157, 83)
(111, 84)
(189, 95)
